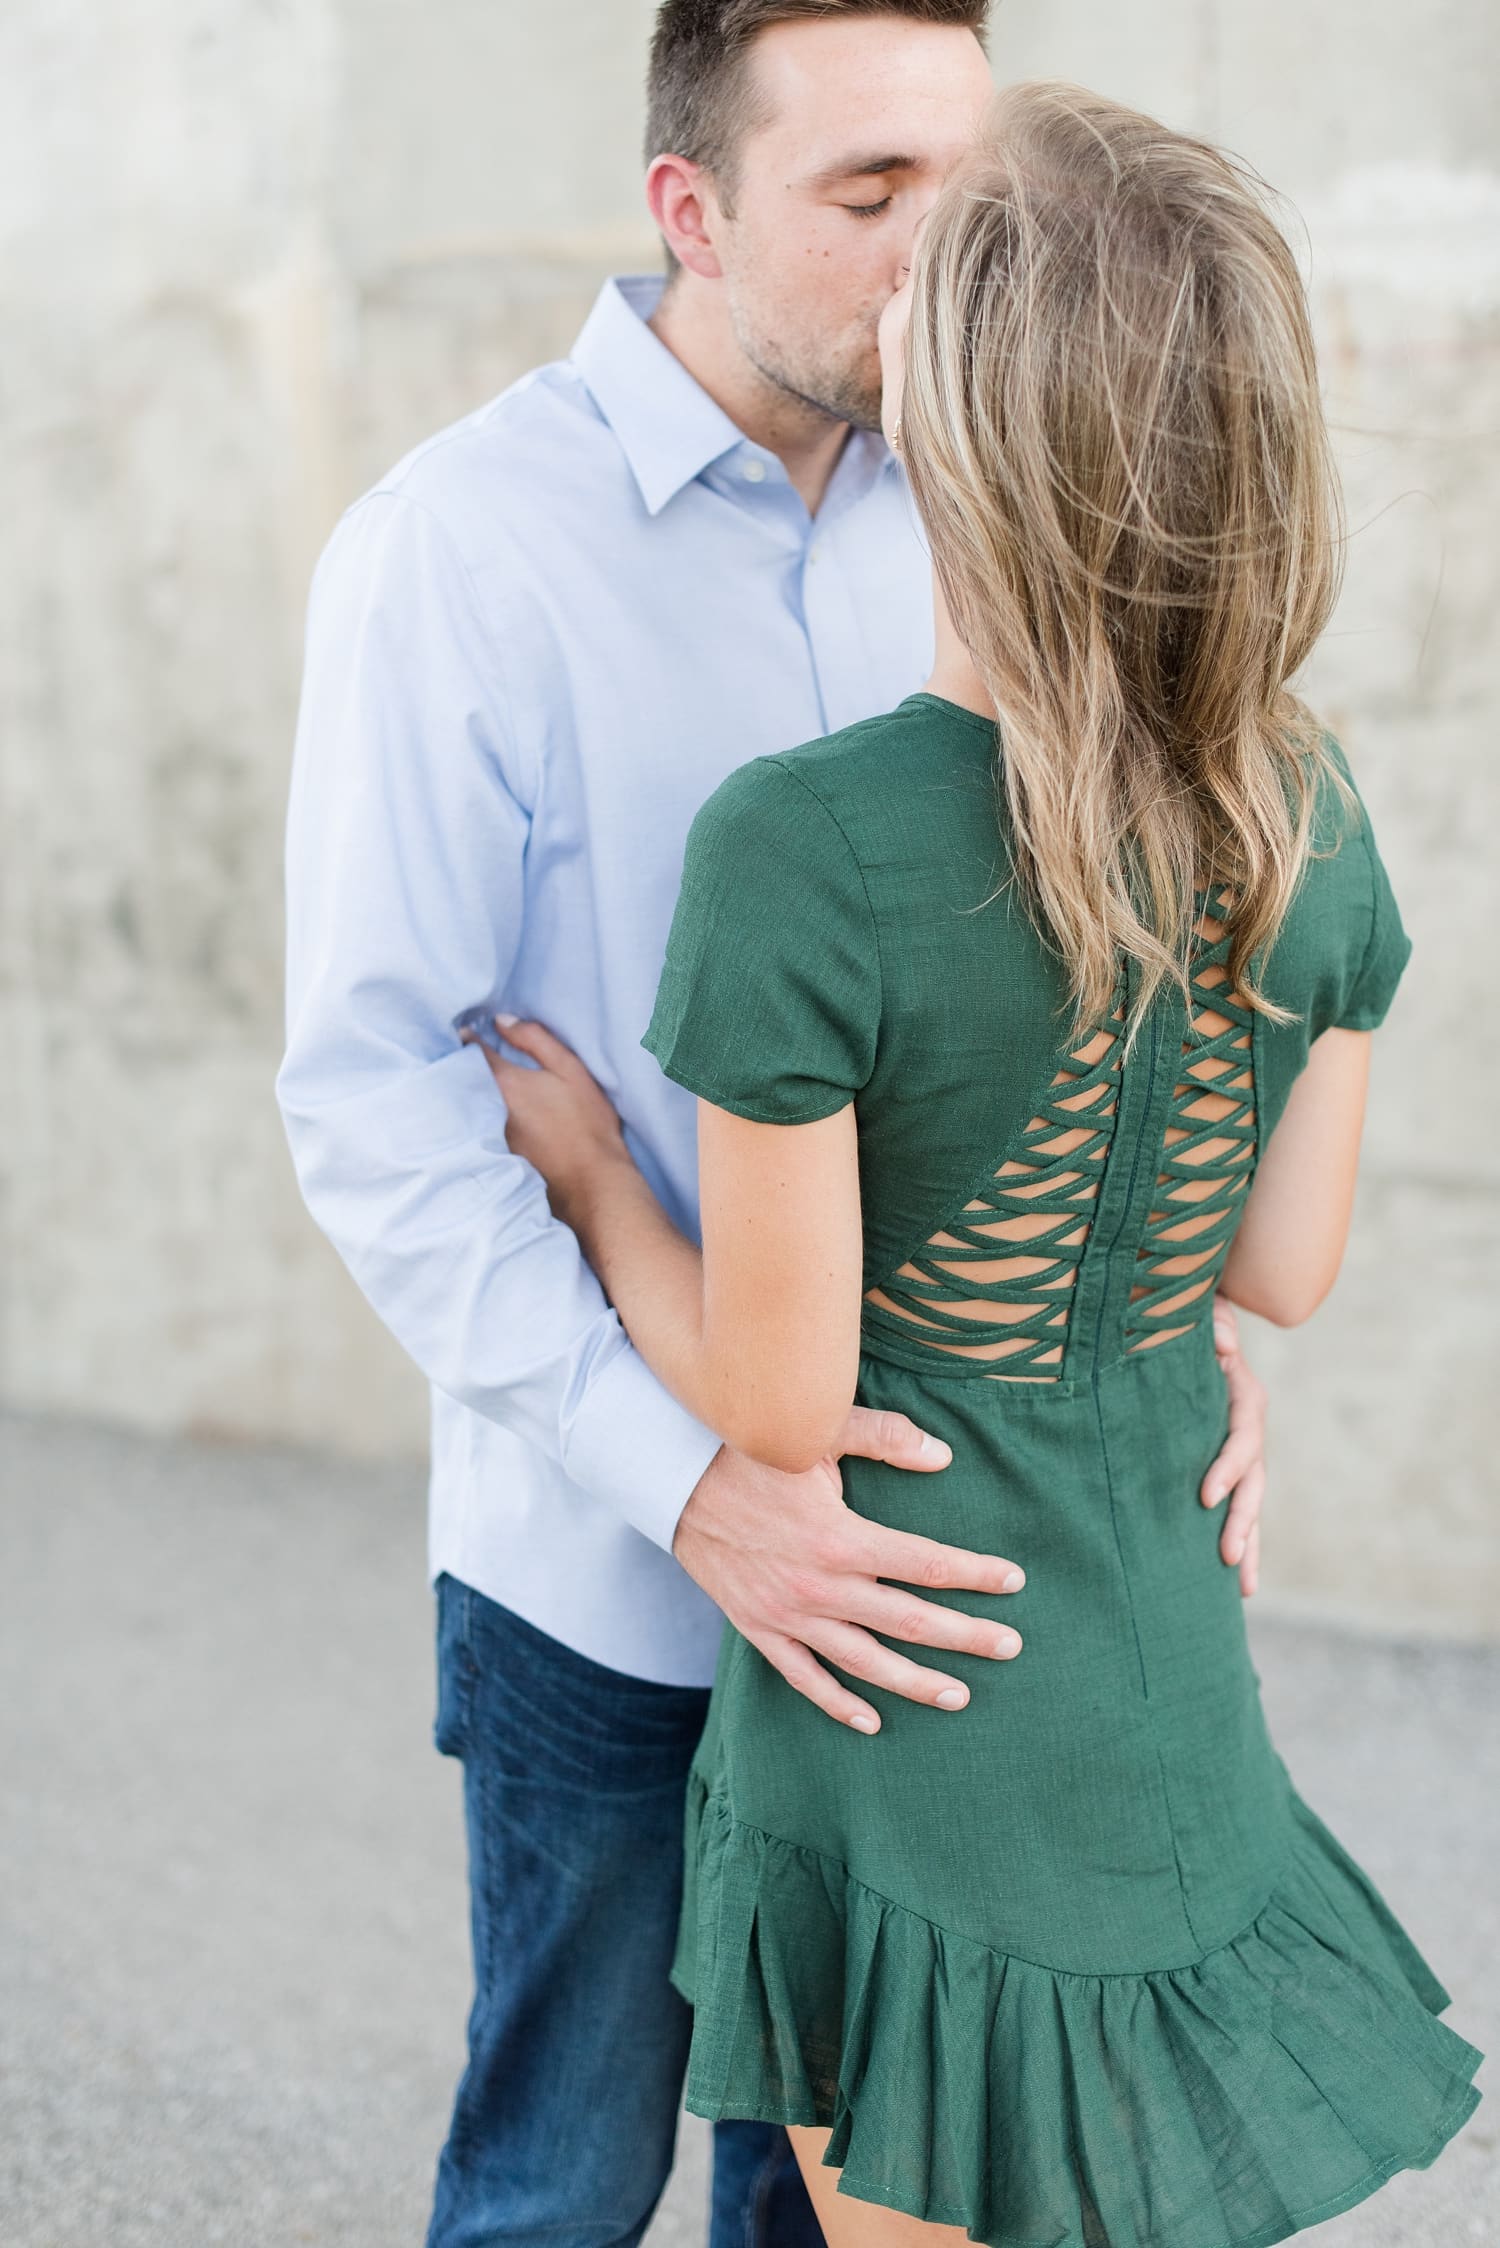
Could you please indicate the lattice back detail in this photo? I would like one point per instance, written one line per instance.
(1208, 1151)
(1041, 1199)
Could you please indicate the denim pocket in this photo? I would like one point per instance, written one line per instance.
(457, 1669)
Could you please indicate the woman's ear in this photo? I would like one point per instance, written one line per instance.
(681, 199)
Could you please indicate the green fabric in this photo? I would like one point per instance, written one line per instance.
(1074, 1967)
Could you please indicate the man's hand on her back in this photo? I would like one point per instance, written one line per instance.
(1241, 1465)
(799, 1574)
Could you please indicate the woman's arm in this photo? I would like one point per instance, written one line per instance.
(758, 1335)
(1287, 1251)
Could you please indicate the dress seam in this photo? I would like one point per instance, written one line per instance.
(1021, 1958)
(1352, 1003)
(1109, 1486)
(859, 867)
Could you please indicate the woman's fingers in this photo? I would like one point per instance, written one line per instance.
(535, 1039)
(528, 1038)
(1250, 1566)
(497, 1062)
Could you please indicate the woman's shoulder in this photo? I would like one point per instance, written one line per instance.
(875, 776)
(1343, 947)
(822, 782)
(781, 830)
(844, 824)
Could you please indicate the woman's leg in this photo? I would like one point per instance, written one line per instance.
(850, 2223)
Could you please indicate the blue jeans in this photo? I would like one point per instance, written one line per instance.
(565, 2121)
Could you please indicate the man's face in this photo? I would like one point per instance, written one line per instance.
(862, 119)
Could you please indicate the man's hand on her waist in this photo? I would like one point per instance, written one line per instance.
(1240, 1468)
(800, 1575)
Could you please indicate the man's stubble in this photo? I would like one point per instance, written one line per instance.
(821, 382)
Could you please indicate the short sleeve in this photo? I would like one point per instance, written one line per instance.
(1385, 956)
(769, 998)
(1376, 967)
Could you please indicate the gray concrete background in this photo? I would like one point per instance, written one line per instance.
(249, 254)
(232, 1942)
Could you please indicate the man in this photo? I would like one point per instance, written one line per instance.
(533, 650)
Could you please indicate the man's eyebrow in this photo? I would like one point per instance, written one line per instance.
(858, 167)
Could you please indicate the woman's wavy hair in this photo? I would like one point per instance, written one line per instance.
(1111, 421)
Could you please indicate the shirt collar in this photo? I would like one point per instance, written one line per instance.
(669, 428)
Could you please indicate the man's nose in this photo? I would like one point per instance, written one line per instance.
(908, 253)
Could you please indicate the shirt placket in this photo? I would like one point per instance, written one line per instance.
(840, 651)
(755, 481)
(832, 622)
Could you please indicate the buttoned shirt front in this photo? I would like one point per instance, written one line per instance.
(533, 649)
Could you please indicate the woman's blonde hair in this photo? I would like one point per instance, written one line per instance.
(1111, 422)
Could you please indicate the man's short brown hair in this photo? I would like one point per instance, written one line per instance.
(698, 101)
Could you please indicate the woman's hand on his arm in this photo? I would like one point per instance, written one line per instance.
(558, 1117)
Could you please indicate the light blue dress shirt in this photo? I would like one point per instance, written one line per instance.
(533, 649)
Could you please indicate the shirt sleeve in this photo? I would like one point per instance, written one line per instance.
(406, 831)
(769, 999)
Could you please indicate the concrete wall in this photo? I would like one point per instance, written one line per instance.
(247, 256)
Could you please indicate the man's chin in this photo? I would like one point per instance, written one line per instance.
(842, 399)
(867, 415)
(852, 402)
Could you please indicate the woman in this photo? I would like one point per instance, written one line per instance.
(1011, 1044)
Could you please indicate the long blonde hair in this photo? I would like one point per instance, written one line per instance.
(1111, 422)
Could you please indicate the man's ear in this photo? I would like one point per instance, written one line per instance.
(681, 199)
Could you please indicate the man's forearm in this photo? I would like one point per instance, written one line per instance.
(484, 1289)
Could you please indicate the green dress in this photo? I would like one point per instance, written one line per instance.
(1075, 1966)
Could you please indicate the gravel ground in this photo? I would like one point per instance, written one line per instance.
(233, 1971)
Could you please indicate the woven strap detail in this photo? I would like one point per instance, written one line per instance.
(1208, 1151)
(956, 1294)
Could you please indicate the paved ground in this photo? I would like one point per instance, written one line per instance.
(232, 1950)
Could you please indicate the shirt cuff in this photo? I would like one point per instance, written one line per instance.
(630, 1443)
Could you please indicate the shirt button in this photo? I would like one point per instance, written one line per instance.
(815, 553)
(754, 472)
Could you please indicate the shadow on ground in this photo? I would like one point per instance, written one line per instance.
(233, 1966)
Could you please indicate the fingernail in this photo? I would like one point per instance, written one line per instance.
(865, 1723)
(933, 1448)
(1213, 1494)
(505, 1021)
(953, 1697)
(1009, 1642)
(1013, 1580)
